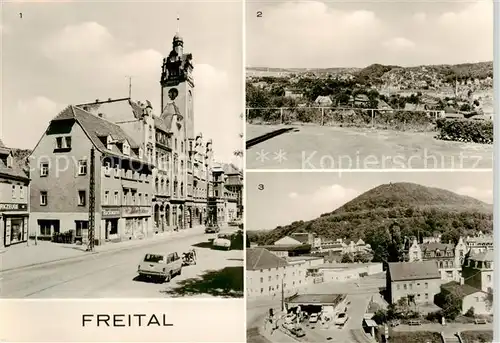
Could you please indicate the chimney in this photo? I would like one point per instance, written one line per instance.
(461, 281)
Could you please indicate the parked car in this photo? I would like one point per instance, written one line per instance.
(223, 241)
(313, 318)
(161, 266)
(290, 318)
(212, 228)
(235, 222)
(341, 319)
(297, 331)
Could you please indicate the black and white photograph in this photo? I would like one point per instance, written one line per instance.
(370, 257)
(121, 144)
(369, 85)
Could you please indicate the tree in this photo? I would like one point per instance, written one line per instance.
(347, 258)
(451, 303)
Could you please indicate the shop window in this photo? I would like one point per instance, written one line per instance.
(80, 225)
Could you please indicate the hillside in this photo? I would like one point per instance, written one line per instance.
(414, 209)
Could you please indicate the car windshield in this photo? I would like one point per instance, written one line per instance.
(154, 258)
(342, 315)
(223, 235)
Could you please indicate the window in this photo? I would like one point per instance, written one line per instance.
(126, 149)
(82, 198)
(139, 201)
(488, 277)
(116, 198)
(107, 170)
(106, 197)
(477, 299)
(117, 171)
(43, 198)
(269, 278)
(146, 200)
(426, 296)
(80, 225)
(21, 192)
(44, 169)
(82, 167)
(405, 286)
(14, 191)
(182, 146)
(45, 229)
(68, 142)
(261, 280)
(426, 285)
(411, 286)
(59, 142)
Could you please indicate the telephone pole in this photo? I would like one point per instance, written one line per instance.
(91, 238)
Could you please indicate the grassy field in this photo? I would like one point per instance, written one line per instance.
(316, 147)
(477, 336)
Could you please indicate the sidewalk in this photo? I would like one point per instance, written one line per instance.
(24, 255)
(448, 328)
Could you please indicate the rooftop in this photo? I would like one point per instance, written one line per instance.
(486, 256)
(260, 258)
(401, 271)
(315, 299)
(461, 290)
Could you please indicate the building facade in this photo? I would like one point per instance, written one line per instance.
(417, 282)
(270, 275)
(183, 187)
(477, 270)
(14, 195)
(61, 169)
(448, 257)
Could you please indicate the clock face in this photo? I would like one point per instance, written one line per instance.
(173, 93)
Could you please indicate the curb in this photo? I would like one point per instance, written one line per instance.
(82, 257)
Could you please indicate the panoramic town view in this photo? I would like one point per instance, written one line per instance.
(109, 190)
(378, 92)
(370, 257)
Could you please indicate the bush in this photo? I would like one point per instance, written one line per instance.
(477, 336)
(465, 130)
(67, 237)
(470, 312)
(434, 316)
(380, 317)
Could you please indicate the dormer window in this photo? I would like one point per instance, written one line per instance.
(126, 148)
(109, 143)
(63, 143)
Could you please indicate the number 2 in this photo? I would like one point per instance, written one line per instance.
(259, 14)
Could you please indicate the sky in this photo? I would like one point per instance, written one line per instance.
(313, 34)
(71, 52)
(281, 198)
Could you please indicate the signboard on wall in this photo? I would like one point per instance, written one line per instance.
(13, 207)
(130, 211)
(111, 212)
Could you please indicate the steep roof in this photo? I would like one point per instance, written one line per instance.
(401, 271)
(437, 246)
(97, 127)
(259, 258)
(301, 237)
(230, 168)
(16, 169)
(458, 289)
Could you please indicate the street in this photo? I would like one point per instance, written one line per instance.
(114, 274)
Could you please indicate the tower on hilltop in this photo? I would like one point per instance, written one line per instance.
(177, 84)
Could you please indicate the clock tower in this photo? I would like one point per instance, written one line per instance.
(177, 85)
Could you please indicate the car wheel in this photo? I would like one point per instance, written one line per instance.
(168, 277)
(180, 271)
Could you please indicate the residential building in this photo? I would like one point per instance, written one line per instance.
(270, 275)
(477, 270)
(323, 101)
(479, 243)
(234, 184)
(447, 256)
(14, 195)
(293, 93)
(418, 282)
(339, 272)
(61, 164)
(471, 297)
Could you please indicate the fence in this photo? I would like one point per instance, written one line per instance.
(346, 116)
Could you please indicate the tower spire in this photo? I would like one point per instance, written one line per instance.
(178, 19)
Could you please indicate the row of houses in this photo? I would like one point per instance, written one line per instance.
(271, 274)
(142, 172)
